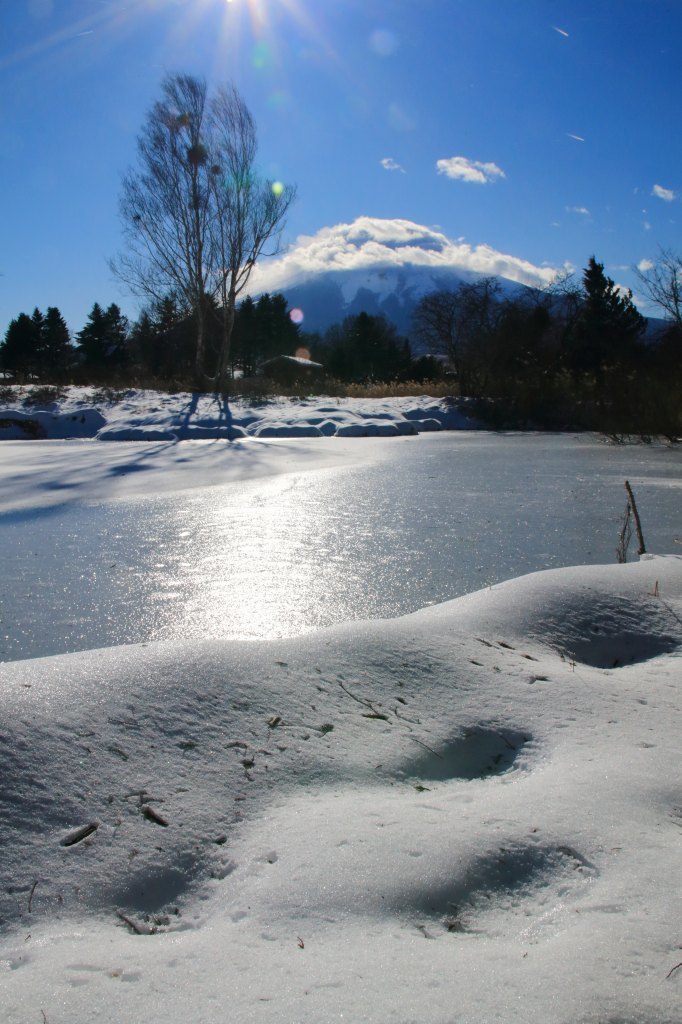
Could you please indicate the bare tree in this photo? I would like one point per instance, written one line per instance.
(196, 216)
(249, 212)
(459, 325)
(662, 283)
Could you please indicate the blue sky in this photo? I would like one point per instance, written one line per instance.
(546, 130)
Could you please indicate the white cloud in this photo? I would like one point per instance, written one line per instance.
(371, 242)
(389, 164)
(666, 194)
(645, 265)
(461, 169)
(582, 210)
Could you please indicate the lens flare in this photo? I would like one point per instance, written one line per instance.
(383, 42)
(296, 317)
(277, 188)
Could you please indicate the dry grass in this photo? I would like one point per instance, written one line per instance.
(263, 389)
(401, 389)
(251, 389)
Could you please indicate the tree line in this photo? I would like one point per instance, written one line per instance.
(575, 355)
(578, 354)
(160, 347)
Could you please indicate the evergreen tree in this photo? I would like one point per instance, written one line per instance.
(367, 347)
(19, 351)
(56, 350)
(606, 336)
(144, 350)
(117, 332)
(92, 340)
(276, 334)
(244, 340)
(103, 341)
(263, 330)
(162, 341)
(38, 321)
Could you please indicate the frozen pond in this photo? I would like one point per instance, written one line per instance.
(427, 519)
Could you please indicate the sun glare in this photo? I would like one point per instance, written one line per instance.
(255, 27)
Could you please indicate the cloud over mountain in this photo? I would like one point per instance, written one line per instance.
(381, 266)
(372, 242)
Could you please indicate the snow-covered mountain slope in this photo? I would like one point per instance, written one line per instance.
(394, 292)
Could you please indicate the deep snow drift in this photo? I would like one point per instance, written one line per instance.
(472, 813)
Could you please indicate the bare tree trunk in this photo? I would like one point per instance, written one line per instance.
(224, 355)
(200, 357)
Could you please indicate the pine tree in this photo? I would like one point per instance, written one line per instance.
(162, 341)
(103, 341)
(117, 336)
(38, 321)
(19, 351)
(244, 343)
(608, 330)
(56, 350)
(92, 340)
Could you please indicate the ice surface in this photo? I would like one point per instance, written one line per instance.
(128, 542)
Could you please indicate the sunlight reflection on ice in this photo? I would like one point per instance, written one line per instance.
(280, 556)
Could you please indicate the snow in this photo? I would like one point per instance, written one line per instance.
(471, 813)
(458, 812)
(136, 415)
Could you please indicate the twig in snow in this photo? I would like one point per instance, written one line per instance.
(366, 703)
(131, 924)
(79, 834)
(151, 815)
(44, 1016)
(30, 896)
(673, 969)
(404, 718)
(426, 746)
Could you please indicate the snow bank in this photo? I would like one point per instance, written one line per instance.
(467, 814)
(38, 424)
(151, 416)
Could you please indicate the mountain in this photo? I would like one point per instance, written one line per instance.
(382, 267)
(328, 297)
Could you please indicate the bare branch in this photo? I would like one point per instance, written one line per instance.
(196, 216)
(661, 282)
